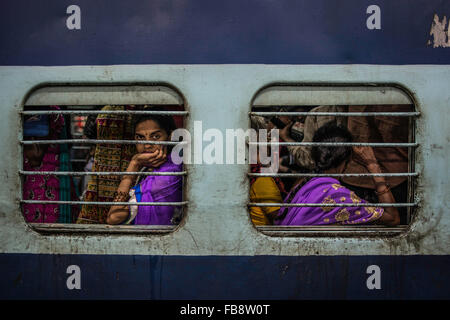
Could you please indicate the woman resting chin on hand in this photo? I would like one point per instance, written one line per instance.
(148, 188)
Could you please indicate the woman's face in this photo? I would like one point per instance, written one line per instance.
(150, 130)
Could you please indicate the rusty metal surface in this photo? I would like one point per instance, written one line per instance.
(217, 220)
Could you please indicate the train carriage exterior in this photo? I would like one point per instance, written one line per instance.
(215, 59)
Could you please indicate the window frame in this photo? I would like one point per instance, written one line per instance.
(350, 231)
(99, 229)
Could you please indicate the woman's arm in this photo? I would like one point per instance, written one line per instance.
(390, 216)
(119, 213)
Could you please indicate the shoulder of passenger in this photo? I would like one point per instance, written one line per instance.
(264, 182)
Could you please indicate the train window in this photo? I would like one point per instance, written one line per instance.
(90, 151)
(343, 162)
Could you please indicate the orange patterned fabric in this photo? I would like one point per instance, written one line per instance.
(108, 158)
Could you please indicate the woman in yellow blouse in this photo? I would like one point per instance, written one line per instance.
(264, 189)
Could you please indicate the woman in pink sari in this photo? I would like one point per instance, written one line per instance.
(42, 157)
(327, 190)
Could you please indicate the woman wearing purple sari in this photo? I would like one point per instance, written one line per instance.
(327, 190)
(149, 188)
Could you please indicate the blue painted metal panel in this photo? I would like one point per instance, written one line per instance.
(213, 32)
(33, 276)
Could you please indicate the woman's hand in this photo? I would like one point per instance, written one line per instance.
(285, 133)
(283, 169)
(151, 159)
(365, 155)
(391, 216)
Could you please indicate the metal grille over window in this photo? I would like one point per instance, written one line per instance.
(343, 164)
(99, 159)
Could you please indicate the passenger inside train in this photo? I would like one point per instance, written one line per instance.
(327, 190)
(264, 189)
(47, 157)
(110, 158)
(150, 188)
(299, 159)
(114, 158)
(376, 129)
(363, 129)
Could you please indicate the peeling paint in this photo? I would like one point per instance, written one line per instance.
(441, 36)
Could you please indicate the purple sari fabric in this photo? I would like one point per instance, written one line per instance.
(327, 190)
(159, 189)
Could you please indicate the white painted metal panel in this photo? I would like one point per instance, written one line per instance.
(218, 223)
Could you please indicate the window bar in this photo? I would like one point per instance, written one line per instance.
(400, 174)
(81, 148)
(333, 144)
(340, 114)
(260, 204)
(98, 173)
(119, 112)
(95, 141)
(182, 203)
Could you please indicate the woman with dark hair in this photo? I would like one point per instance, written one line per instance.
(327, 190)
(149, 188)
